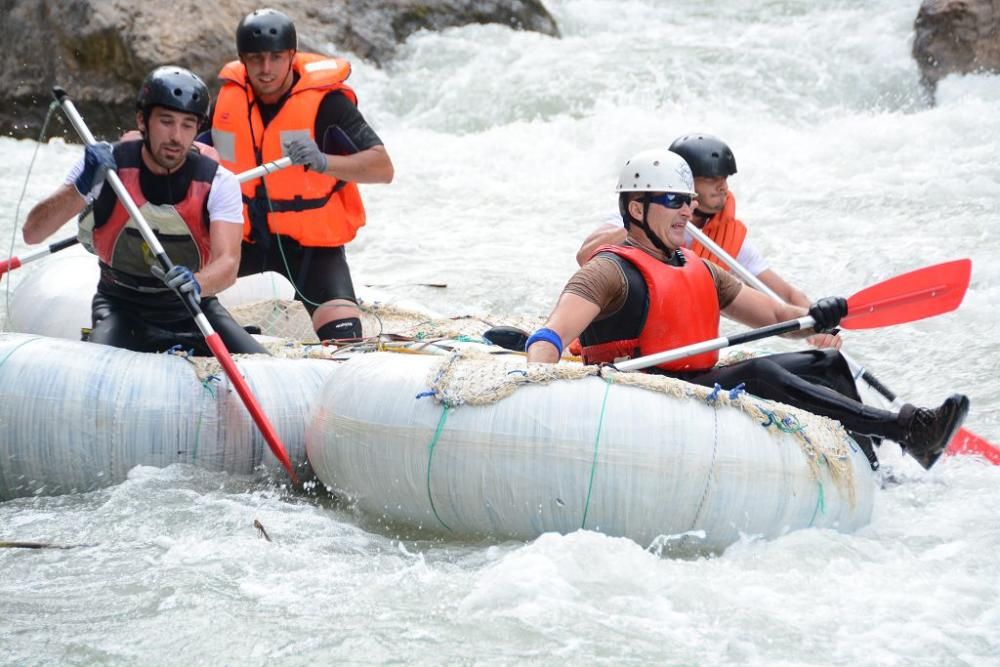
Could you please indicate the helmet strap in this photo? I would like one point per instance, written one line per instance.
(650, 234)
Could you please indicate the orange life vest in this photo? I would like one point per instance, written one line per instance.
(182, 228)
(301, 204)
(667, 307)
(725, 230)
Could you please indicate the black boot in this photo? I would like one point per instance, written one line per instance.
(929, 430)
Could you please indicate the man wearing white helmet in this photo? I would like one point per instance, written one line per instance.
(712, 162)
(650, 294)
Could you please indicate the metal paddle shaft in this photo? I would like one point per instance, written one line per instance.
(212, 338)
(715, 344)
(929, 291)
(15, 262)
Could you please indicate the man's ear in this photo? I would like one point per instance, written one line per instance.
(140, 122)
(635, 209)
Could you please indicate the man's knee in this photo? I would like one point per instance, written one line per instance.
(342, 329)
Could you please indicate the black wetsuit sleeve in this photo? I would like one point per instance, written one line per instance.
(336, 109)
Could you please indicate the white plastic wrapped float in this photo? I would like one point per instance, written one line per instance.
(582, 453)
(77, 416)
(53, 298)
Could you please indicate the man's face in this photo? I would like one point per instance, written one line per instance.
(170, 134)
(666, 223)
(270, 73)
(711, 193)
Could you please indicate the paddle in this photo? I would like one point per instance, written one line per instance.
(212, 338)
(964, 442)
(926, 292)
(17, 262)
(248, 175)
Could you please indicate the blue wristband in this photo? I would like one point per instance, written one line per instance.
(548, 335)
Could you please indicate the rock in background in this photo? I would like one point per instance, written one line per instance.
(100, 50)
(956, 37)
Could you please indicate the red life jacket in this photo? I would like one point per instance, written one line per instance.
(314, 209)
(182, 228)
(667, 307)
(725, 230)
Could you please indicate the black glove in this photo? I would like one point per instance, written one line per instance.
(97, 159)
(828, 312)
(180, 279)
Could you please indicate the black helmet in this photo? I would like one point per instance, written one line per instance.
(266, 30)
(174, 88)
(708, 156)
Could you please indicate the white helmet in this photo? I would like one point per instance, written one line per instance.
(656, 170)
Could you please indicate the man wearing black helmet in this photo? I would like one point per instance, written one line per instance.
(278, 101)
(191, 203)
(713, 162)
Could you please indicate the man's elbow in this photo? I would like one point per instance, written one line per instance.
(388, 172)
(30, 237)
(226, 272)
(31, 232)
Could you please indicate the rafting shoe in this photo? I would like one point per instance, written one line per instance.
(929, 430)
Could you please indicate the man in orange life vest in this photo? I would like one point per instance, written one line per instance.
(712, 162)
(190, 201)
(649, 294)
(276, 101)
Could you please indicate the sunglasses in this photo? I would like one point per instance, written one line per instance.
(671, 200)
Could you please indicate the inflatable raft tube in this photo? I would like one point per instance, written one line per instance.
(588, 453)
(77, 416)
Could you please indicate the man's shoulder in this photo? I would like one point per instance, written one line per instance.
(224, 179)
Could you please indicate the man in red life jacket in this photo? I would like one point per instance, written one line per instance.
(712, 162)
(276, 101)
(190, 201)
(649, 294)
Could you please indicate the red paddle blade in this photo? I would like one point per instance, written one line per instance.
(926, 292)
(967, 442)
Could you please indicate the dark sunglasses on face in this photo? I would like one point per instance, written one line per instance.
(671, 200)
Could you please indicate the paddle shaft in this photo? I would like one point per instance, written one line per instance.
(805, 322)
(212, 338)
(16, 262)
(857, 370)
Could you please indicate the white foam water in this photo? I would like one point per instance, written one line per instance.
(506, 146)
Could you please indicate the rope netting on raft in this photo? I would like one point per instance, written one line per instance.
(474, 376)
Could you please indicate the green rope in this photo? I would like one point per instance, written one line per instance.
(597, 440)
(19, 346)
(206, 384)
(820, 504)
(430, 457)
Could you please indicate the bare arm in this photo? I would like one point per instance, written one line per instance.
(755, 309)
(606, 234)
(570, 317)
(781, 287)
(220, 271)
(48, 215)
(796, 297)
(372, 165)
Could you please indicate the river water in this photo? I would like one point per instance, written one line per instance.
(506, 147)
